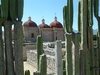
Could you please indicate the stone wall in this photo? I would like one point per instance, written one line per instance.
(32, 60)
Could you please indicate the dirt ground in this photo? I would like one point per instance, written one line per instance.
(29, 67)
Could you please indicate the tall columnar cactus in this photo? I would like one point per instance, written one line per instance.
(12, 12)
(43, 65)
(1, 46)
(8, 49)
(97, 16)
(90, 35)
(68, 22)
(18, 48)
(39, 49)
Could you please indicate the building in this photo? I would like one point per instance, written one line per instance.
(52, 32)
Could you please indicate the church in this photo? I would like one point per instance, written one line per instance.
(52, 32)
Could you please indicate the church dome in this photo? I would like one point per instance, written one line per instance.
(43, 25)
(30, 23)
(56, 24)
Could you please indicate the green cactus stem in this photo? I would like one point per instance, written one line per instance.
(68, 47)
(43, 65)
(65, 18)
(90, 47)
(27, 72)
(1, 46)
(84, 37)
(76, 68)
(70, 15)
(97, 16)
(1, 52)
(39, 49)
(8, 48)
(64, 66)
(79, 16)
(18, 48)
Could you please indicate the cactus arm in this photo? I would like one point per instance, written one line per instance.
(12, 9)
(90, 12)
(20, 5)
(96, 9)
(70, 14)
(79, 16)
(65, 19)
(4, 8)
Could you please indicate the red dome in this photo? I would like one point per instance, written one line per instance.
(43, 25)
(30, 23)
(56, 24)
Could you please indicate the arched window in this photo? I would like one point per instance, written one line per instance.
(32, 35)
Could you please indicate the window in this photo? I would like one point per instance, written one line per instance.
(32, 35)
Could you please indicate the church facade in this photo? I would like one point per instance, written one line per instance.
(50, 33)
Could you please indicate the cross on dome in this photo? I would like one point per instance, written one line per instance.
(29, 18)
(43, 21)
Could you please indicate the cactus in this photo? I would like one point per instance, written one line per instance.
(43, 65)
(70, 15)
(97, 16)
(9, 12)
(27, 72)
(20, 5)
(1, 47)
(39, 49)
(79, 20)
(18, 48)
(8, 48)
(68, 22)
(4, 8)
(79, 16)
(12, 9)
(65, 18)
(64, 66)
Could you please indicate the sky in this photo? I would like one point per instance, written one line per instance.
(48, 9)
